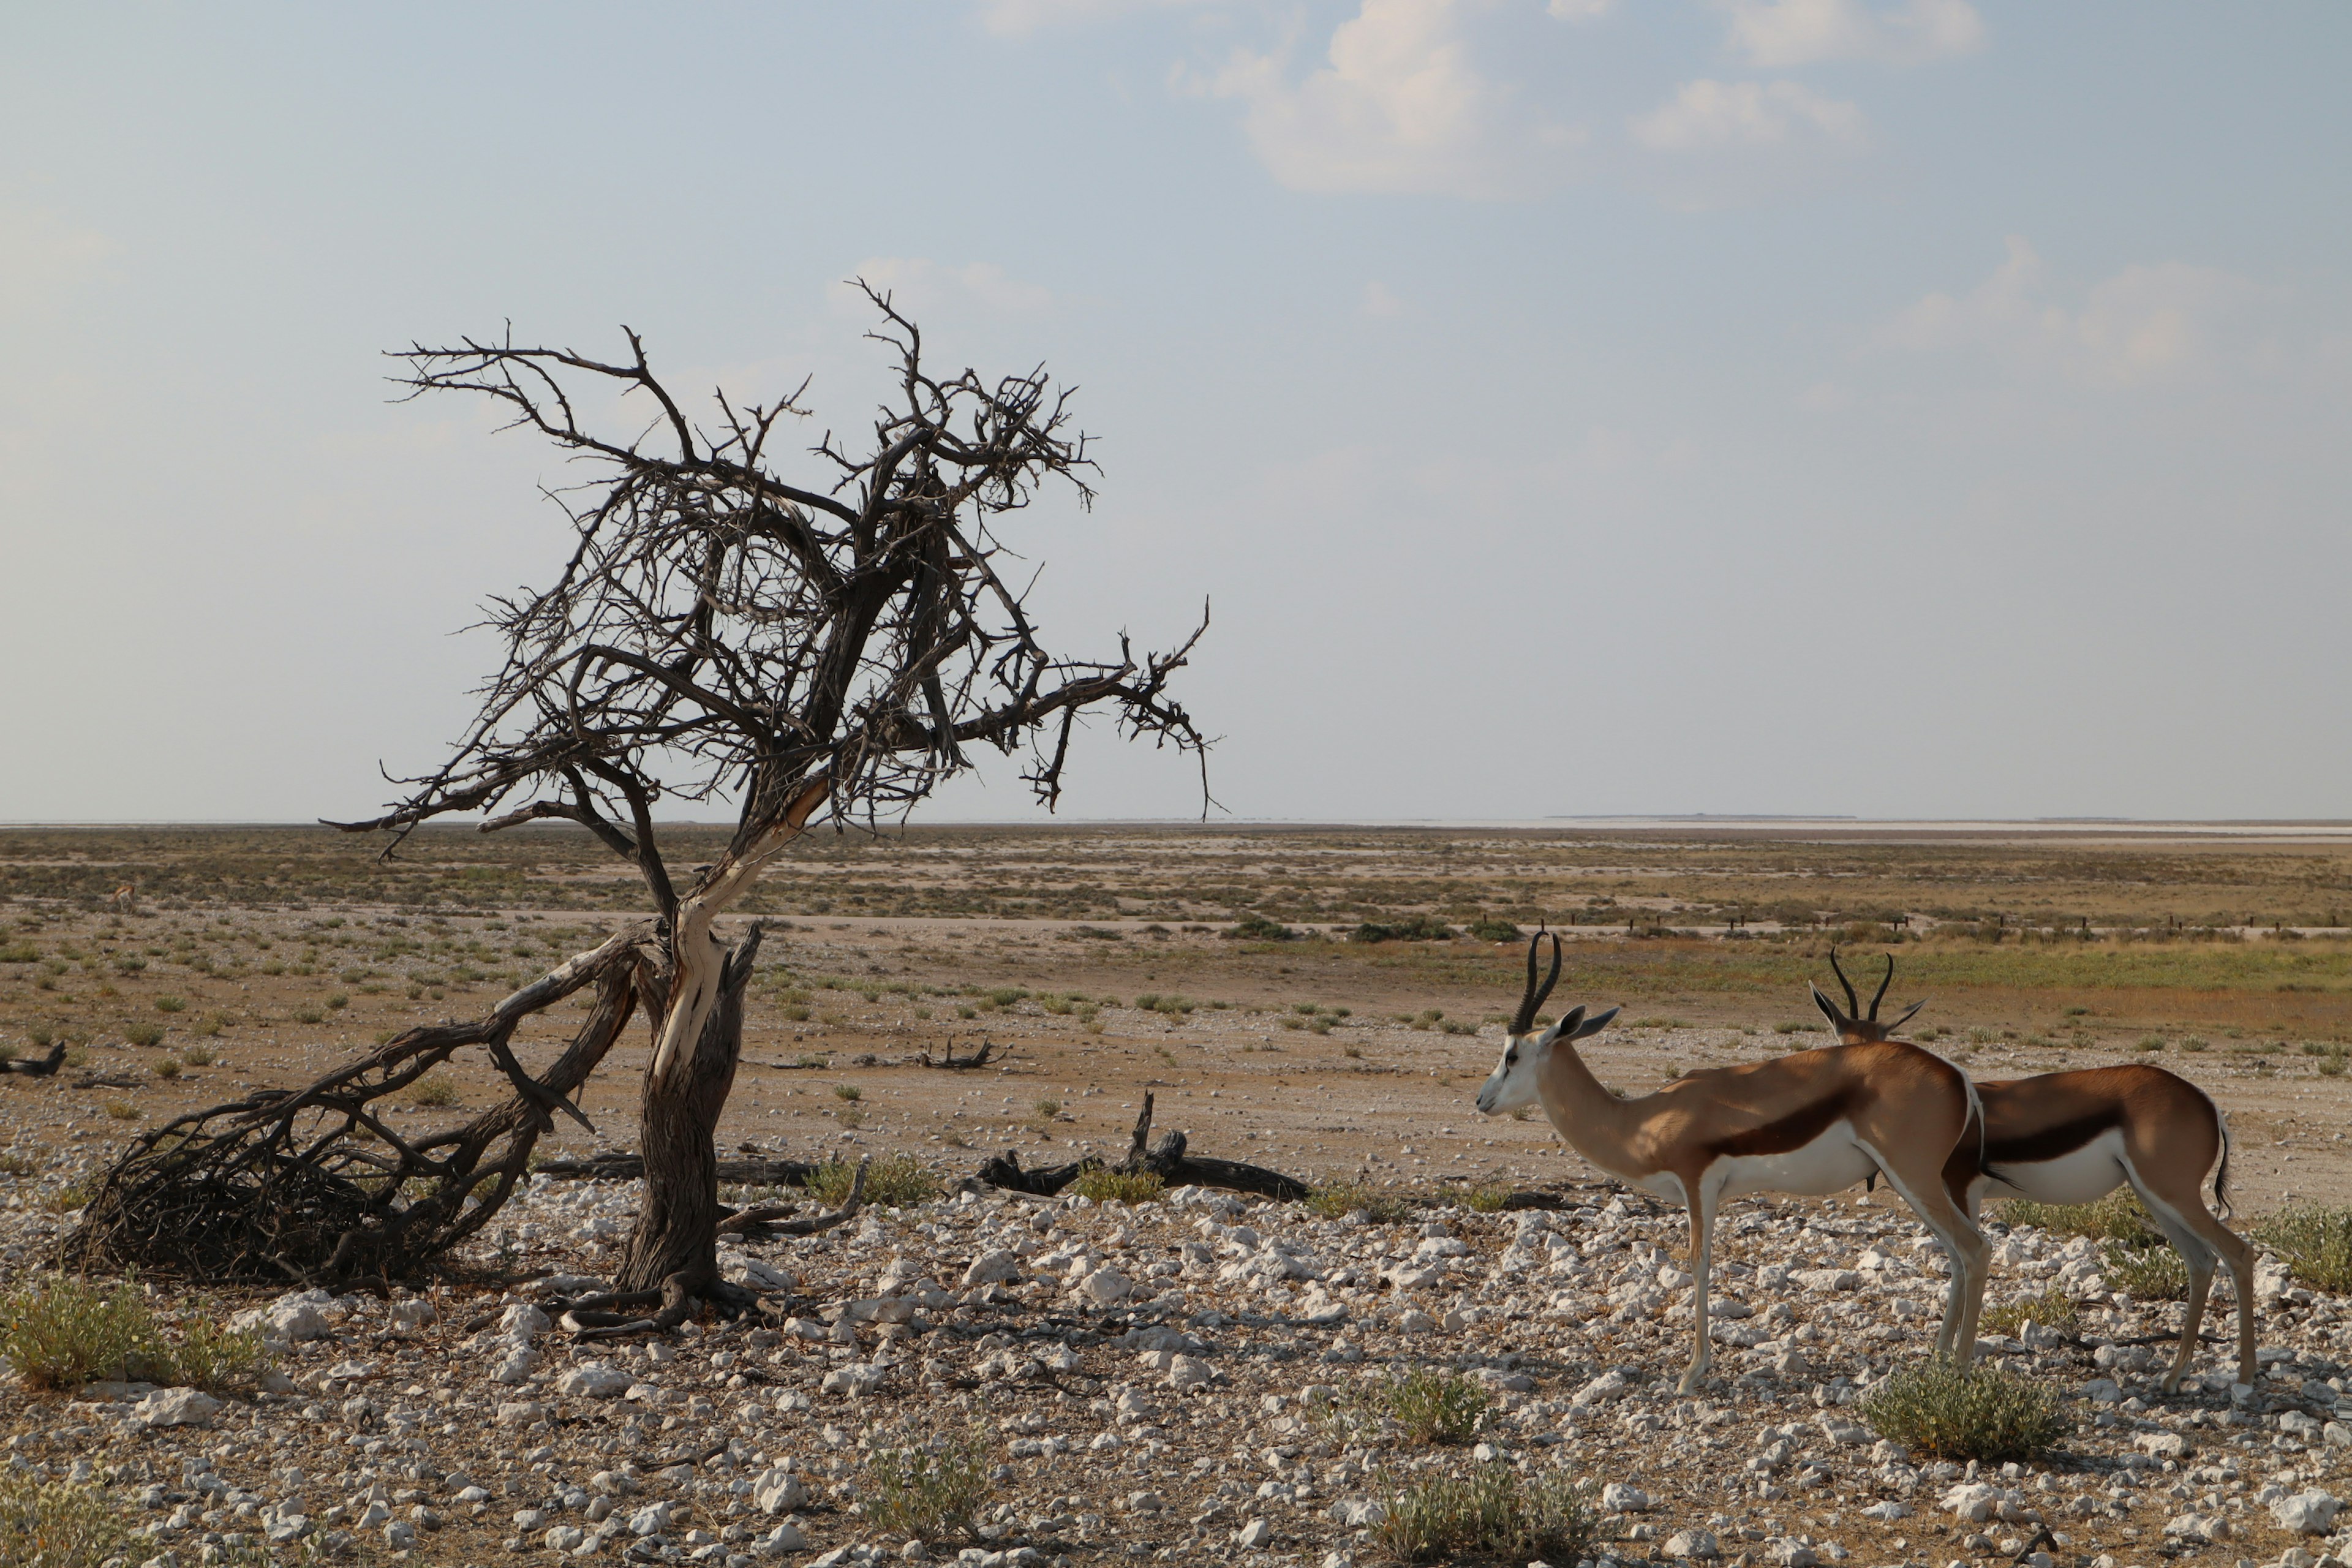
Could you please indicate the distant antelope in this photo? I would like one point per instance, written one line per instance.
(2074, 1137)
(1809, 1122)
(125, 898)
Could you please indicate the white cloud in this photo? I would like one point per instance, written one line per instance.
(921, 287)
(1015, 19)
(1398, 106)
(2147, 323)
(1379, 301)
(1779, 34)
(41, 253)
(1713, 116)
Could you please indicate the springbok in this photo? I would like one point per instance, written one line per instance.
(1809, 1122)
(125, 898)
(2074, 1137)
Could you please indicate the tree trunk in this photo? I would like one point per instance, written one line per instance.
(678, 1228)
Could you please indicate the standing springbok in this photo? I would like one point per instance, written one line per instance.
(2074, 1137)
(1809, 1122)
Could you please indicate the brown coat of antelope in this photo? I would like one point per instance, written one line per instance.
(1809, 1122)
(2074, 1137)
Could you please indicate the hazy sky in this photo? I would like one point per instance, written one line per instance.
(1775, 405)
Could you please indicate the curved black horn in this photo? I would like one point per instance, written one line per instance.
(1533, 997)
(1883, 984)
(1853, 1002)
(1909, 1014)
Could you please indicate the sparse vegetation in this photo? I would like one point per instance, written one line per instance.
(139, 1032)
(1258, 928)
(2314, 1241)
(2051, 1309)
(1104, 1185)
(2116, 1218)
(897, 1180)
(433, 1090)
(928, 1493)
(1489, 1513)
(61, 1332)
(1982, 1414)
(846, 1092)
(57, 1524)
(1435, 1407)
(1341, 1198)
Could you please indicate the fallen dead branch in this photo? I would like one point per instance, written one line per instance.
(36, 1066)
(948, 1060)
(1169, 1159)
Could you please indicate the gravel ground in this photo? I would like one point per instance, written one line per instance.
(1189, 1381)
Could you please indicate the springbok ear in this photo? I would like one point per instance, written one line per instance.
(1595, 1024)
(1829, 1009)
(1565, 1028)
(1907, 1017)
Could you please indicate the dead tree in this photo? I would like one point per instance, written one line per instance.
(806, 649)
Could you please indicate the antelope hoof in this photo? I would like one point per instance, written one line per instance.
(1692, 1378)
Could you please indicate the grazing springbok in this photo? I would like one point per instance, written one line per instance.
(2074, 1137)
(1809, 1122)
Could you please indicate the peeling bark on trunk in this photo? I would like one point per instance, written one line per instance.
(678, 1226)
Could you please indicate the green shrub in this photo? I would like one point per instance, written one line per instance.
(433, 1090)
(1487, 929)
(171, 1005)
(848, 1091)
(2118, 1217)
(1983, 1412)
(338, 1001)
(899, 1180)
(1415, 928)
(309, 1014)
(55, 1524)
(2315, 1243)
(1482, 1197)
(1489, 1513)
(168, 1067)
(2148, 1273)
(200, 1056)
(60, 1332)
(1258, 928)
(927, 1494)
(2051, 1309)
(143, 1033)
(1103, 1184)
(1436, 1406)
(1356, 1198)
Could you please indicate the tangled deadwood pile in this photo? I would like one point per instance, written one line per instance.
(313, 1185)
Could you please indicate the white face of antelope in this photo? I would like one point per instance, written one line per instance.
(1513, 1085)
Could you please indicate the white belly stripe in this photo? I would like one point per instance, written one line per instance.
(1832, 1162)
(2084, 1176)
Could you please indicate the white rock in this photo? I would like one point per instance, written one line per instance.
(1358, 1513)
(289, 1319)
(1254, 1534)
(2309, 1512)
(1105, 1285)
(856, 1380)
(399, 1534)
(521, 1412)
(595, 1379)
(408, 1317)
(994, 1267)
(1415, 1322)
(1887, 1512)
(1828, 1279)
(650, 1520)
(2197, 1527)
(779, 1491)
(516, 1366)
(785, 1537)
(563, 1537)
(1699, 1545)
(175, 1407)
(523, 1322)
(2162, 1445)
(1186, 1372)
(1619, 1498)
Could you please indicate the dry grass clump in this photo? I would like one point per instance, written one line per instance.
(54, 1524)
(1490, 1512)
(2117, 1217)
(2145, 1273)
(926, 1493)
(901, 1181)
(60, 1332)
(2051, 1309)
(1104, 1185)
(1341, 1198)
(1982, 1413)
(1435, 1407)
(2314, 1242)
(433, 1090)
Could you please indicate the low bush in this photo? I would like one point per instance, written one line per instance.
(141, 1032)
(200, 1056)
(1490, 930)
(171, 1005)
(1490, 1512)
(433, 1090)
(1982, 1414)
(900, 1181)
(55, 1524)
(848, 1091)
(2118, 1217)
(926, 1493)
(1436, 1406)
(1415, 928)
(60, 1332)
(2314, 1242)
(1340, 1198)
(1258, 928)
(2146, 1273)
(1103, 1184)
(2051, 1309)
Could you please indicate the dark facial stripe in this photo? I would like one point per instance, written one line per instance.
(1792, 1132)
(2051, 1142)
